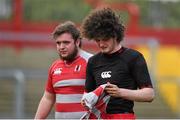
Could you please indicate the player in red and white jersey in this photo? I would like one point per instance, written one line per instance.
(66, 76)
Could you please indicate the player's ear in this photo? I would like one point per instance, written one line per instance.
(78, 42)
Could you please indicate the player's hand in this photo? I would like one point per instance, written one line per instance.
(113, 90)
(84, 105)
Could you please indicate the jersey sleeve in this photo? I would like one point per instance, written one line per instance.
(140, 72)
(90, 83)
(49, 84)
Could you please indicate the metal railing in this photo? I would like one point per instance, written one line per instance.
(20, 77)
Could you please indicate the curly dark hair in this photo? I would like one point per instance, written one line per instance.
(103, 24)
(66, 27)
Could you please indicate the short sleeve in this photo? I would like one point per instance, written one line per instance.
(140, 72)
(49, 84)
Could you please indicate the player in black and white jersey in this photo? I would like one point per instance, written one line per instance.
(123, 69)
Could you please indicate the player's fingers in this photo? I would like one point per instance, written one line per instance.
(82, 102)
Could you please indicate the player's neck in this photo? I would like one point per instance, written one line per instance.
(71, 61)
(117, 48)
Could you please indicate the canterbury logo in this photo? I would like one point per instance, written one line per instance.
(57, 71)
(106, 74)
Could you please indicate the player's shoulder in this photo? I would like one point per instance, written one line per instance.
(56, 62)
(55, 65)
(85, 55)
(129, 55)
(96, 57)
(129, 52)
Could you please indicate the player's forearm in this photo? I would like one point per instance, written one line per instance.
(44, 108)
(140, 95)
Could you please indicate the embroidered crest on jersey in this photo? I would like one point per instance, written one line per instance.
(77, 68)
(57, 71)
(106, 74)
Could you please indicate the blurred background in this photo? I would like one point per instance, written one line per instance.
(27, 50)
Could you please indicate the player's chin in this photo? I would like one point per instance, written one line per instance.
(105, 51)
(63, 56)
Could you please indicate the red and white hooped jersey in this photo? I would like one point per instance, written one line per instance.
(67, 82)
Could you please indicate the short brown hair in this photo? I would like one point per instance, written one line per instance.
(103, 24)
(66, 27)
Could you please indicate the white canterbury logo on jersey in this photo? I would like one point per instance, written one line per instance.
(106, 74)
(57, 71)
